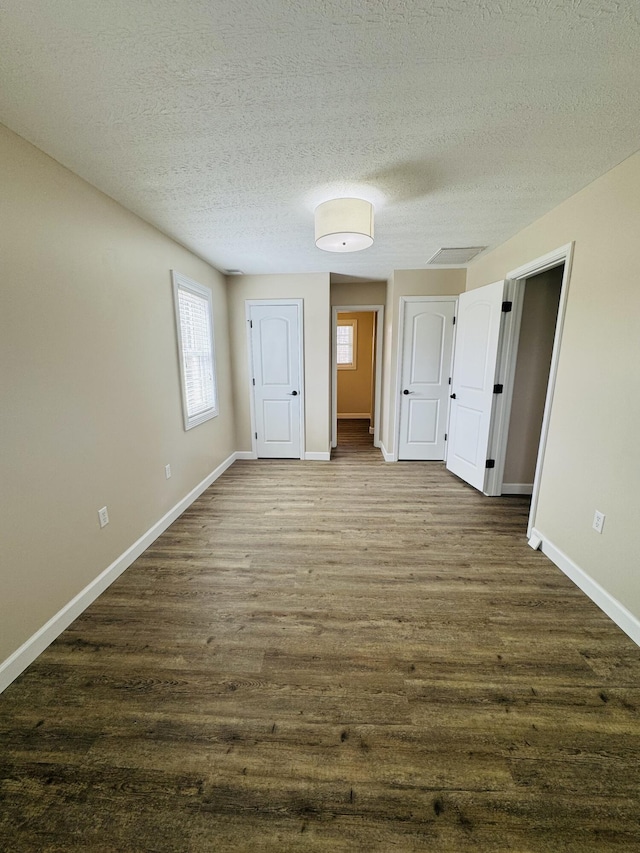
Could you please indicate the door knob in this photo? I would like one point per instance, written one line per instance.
(407, 392)
(453, 396)
(294, 393)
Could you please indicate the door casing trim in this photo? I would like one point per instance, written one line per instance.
(507, 364)
(352, 309)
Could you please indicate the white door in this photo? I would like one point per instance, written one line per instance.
(276, 357)
(474, 370)
(427, 349)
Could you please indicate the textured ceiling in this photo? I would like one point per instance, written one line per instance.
(225, 123)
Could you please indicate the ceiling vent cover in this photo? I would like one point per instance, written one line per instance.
(456, 256)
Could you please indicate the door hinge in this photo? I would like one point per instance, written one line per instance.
(454, 321)
(251, 324)
(491, 463)
(449, 380)
(254, 381)
(445, 436)
(256, 434)
(497, 389)
(506, 307)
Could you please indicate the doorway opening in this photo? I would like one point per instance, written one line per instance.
(484, 383)
(540, 301)
(528, 362)
(356, 375)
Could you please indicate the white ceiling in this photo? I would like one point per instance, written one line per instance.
(224, 122)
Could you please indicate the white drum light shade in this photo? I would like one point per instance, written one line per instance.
(344, 225)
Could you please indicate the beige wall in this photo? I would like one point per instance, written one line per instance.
(535, 345)
(387, 344)
(355, 386)
(91, 407)
(428, 282)
(359, 293)
(593, 455)
(314, 290)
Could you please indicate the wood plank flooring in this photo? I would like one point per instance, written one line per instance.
(342, 656)
(354, 437)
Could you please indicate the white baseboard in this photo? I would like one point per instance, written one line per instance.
(310, 455)
(517, 489)
(388, 457)
(616, 611)
(356, 416)
(17, 662)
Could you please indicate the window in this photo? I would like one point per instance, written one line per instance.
(194, 322)
(347, 344)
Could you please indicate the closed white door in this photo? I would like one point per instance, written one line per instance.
(276, 347)
(427, 349)
(474, 374)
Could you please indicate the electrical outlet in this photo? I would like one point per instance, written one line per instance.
(167, 471)
(103, 515)
(598, 521)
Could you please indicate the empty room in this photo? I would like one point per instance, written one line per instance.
(318, 532)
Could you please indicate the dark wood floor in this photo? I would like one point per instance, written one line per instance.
(354, 437)
(343, 656)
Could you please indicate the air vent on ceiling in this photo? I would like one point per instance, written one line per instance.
(456, 256)
(233, 272)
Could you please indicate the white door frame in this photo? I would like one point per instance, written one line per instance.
(350, 309)
(403, 300)
(299, 303)
(507, 367)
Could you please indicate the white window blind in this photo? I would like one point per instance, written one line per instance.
(195, 345)
(346, 344)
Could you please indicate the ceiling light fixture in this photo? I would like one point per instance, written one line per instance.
(344, 225)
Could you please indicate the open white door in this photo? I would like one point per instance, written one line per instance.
(472, 390)
(427, 349)
(276, 358)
